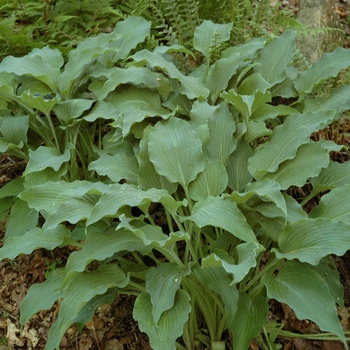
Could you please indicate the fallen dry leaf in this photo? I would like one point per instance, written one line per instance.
(11, 336)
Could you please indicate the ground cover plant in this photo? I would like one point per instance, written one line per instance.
(172, 186)
(28, 24)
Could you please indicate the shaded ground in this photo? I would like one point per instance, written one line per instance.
(113, 327)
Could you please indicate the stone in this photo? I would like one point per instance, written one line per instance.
(319, 14)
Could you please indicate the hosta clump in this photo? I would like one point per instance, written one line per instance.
(212, 151)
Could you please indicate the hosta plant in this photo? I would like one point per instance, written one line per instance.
(176, 185)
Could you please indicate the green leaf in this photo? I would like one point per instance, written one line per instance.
(46, 157)
(309, 240)
(81, 289)
(48, 196)
(250, 317)
(253, 83)
(12, 188)
(335, 175)
(334, 205)
(176, 151)
(285, 141)
(42, 296)
(247, 258)
(218, 280)
(246, 104)
(34, 239)
(307, 293)
(190, 86)
(14, 130)
(71, 109)
(275, 56)
(221, 128)
(328, 271)
(88, 310)
(120, 195)
(169, 328)
(101, 110)
(21, 219)
(39, 102)
(337, 101)
(137, 76)
(162, 283)
(209, 36)
(220, 73)
(212, 181)
(117, 45)
(263, 189)
(329, 65)
(120, 166)
(135, 105)
(42, 64)
(8, 86)
(220, 212)
(238, 174)
(308, 162)
(102, 245)
(255, 130)
(73, 211)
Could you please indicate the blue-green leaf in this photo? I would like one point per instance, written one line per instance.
(169, 328)
(162, 283)
(275, 56)
(285, 141)
(209, 36)
(212, 181)
(250, 317)
(82, 288)
(46, 157)
(176, 151)
(220, 212)
(247, 258)
(307, 293)
(309, 240)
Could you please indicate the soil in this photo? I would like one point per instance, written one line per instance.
(113, 327)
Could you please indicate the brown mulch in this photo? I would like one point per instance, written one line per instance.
(113, 327)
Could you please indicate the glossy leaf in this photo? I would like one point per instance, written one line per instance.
(304, 290)
(309, 240)
(169, 328)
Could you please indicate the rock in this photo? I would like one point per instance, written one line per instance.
(319, 14)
